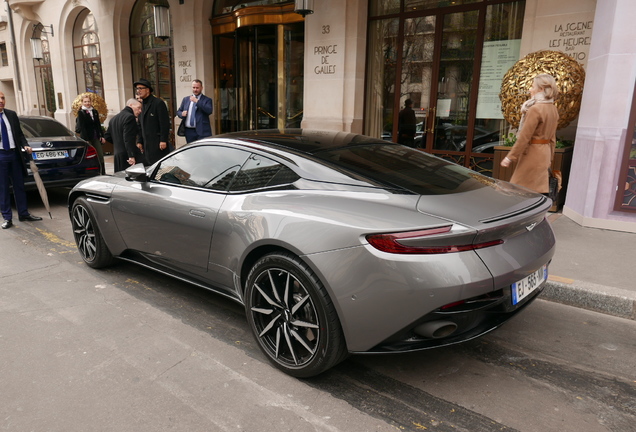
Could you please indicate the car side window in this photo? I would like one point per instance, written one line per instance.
(261, 172)
(210, 167)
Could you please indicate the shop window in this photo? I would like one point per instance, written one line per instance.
(3, 53)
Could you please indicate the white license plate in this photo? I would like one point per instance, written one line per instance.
(525, 286)
(52, 154)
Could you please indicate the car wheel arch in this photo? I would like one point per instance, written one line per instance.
(261, 250)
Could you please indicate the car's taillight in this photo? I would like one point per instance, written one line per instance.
(391, 242)
(90, 152)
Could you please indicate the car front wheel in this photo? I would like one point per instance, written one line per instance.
(292, 316)
(89, 240)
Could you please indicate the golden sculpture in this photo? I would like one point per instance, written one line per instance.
(569, 76)
(98, 103)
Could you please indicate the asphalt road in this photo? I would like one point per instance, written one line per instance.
(125, 349)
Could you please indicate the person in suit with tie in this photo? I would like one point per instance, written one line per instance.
(90, 128)
(12, 167)
(195, 111)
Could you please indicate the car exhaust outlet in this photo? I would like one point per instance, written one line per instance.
(436, 329)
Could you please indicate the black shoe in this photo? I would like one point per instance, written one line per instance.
(7, 224)
(29, 218)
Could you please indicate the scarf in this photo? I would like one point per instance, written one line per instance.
(538, 98)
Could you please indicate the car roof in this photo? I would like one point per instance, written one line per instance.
(306, 141)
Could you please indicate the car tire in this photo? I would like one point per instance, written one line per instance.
(292, 317)
(88, 238)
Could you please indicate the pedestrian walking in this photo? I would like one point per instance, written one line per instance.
(195, 111)
(89, 127)
(154, 122)
(122, 132)
(12, 167)
(536, 138)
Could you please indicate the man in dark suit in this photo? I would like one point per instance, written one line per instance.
(195, 111)
(154, 122)
(122, 132)
(12, 167)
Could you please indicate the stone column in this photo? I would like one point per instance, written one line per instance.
(335, 47)
(603, 120)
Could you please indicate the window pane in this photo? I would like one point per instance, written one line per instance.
(210, 167)
(261, 172)
(34, 128)
(416, 5)
(502, 42)
(384, 7)
(382, 62)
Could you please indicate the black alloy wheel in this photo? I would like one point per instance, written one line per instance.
(89, 240)
(292, 316)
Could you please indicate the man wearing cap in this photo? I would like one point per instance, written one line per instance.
(12, 167)
(154, 122)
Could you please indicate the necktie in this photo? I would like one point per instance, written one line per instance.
(5, 134)
(193, 109)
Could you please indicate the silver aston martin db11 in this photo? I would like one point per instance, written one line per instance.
(335, 243)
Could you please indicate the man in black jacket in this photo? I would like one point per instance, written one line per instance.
(154, 122)
(122, 132)
(12, 167)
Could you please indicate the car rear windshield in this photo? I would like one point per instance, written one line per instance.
(405, 168)
(34, 128)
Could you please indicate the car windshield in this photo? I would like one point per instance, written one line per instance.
(406, 168)
(34, 128)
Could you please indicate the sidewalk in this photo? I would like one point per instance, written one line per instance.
(590, 268)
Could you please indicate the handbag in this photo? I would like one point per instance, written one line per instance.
(554, 181)
(181, 129)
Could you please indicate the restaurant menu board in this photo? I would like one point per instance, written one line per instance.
(496, 59)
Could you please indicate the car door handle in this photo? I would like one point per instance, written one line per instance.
(197, 213)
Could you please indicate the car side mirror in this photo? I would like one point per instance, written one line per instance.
(137, 173)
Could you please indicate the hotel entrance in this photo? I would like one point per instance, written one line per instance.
(259, 69)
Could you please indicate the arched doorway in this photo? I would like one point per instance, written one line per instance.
(43, 73)
(152, 57)
(87, 52)
(259, 65)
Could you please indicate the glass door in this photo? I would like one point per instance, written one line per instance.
(448, 123)
(260, 77)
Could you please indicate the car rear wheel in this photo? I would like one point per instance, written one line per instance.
(89, 240)
(292, 316)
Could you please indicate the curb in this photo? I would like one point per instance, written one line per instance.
(598, 298)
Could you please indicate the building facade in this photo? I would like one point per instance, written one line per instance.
(347, 66)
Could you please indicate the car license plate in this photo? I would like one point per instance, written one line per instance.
(525, 286)
(51, 154)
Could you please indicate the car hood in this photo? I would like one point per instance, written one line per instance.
(477, 208)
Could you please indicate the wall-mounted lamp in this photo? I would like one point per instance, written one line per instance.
(162, 21)
(304, 7)
(36, 41)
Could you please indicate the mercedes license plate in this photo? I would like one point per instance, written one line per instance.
(50, 154)
(525, 286)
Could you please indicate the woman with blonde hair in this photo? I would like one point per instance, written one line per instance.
(89, 127)
(536, 138)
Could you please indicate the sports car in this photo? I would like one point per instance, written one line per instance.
(335, 243)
